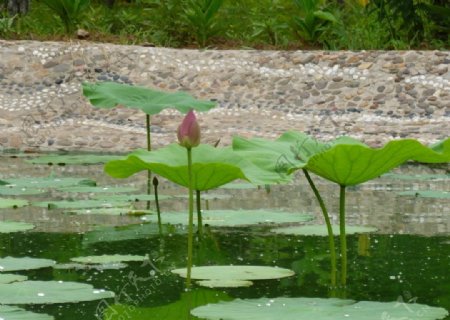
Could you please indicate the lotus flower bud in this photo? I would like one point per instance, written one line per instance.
(189, 131)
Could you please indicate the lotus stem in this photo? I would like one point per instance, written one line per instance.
(329, 227)
(149, 148)
(158, 211)
(342, 236)
(199, 213)
(191, 219)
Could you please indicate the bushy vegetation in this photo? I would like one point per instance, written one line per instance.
(269, 24)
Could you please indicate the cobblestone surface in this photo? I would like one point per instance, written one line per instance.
(371, 95)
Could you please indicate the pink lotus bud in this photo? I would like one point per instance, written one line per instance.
(189, 131)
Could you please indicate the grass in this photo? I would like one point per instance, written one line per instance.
(259, 24)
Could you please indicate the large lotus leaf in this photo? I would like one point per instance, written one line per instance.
(345, 160)
(47, 292)
(437, 194)
(80, 204)
(178, 310)
(232, 218)
(321, 230)
(73, 159)
(235, 273)
(10, 278)
(49, 182)
(12, 203)
(110, 94)
(289, 152)
(8, 264)
(103, 259)
(350, 165)
(316, 308)
(15, 313)
(14, 226)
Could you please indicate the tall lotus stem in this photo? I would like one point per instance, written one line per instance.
(158, 210)
(199, 213)
(329, 227)
(149, 148)
(342, 236)
(191, 219)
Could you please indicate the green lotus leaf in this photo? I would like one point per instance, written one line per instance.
(427, 194)
(83, 266)
(19, 191)
(47, 292)
(15, 313)
(110, 94)
(73, 159)
(316, 308)
(111, 211)
(239, 186)
(349, 165)
(345, 160)
(233, 218)
(12, 203)
(178, 310)
(14, 226)
(207, 196)
(132, 197)
(8, 264)
(80, 204)
(97, 189)
(49, 182)
(10, 278)
(104, 259)
(235, 273)
(321, 230)
(224, 283)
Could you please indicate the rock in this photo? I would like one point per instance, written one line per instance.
(322, 84)
(428, 92)
(82, 34)
(365, 65)
(15, 141)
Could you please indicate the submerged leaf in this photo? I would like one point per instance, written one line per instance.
(104, 259)
(6, 278)
(15, 313)
(47, 292)
(316, 308)
(14, 226)
(12, 203)
(112, 94)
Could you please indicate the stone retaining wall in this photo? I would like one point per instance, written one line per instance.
(372, 95)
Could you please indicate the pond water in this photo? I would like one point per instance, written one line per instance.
(406, 260)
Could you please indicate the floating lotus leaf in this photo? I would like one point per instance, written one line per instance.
(132, 197)
(9, 278)
(12, 203)
(178, 310)
(88, 189)
(19, 191)
(15, 313)
(49, 182)
(207, 196)
(321, 230)
(212, 167)
(419, 177)
(8, 264)
(111, 211)
(13, 226)
(105, 259)
(48, 292)
(111, 94)
(239, 186)
(235, 217)
(235, 273)
(73, 159)
(316, 308)
(80, 204)
(345, 161)
(427, 194)
(224, 283)
(84, 266)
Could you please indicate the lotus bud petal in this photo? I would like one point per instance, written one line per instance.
(189, 131)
